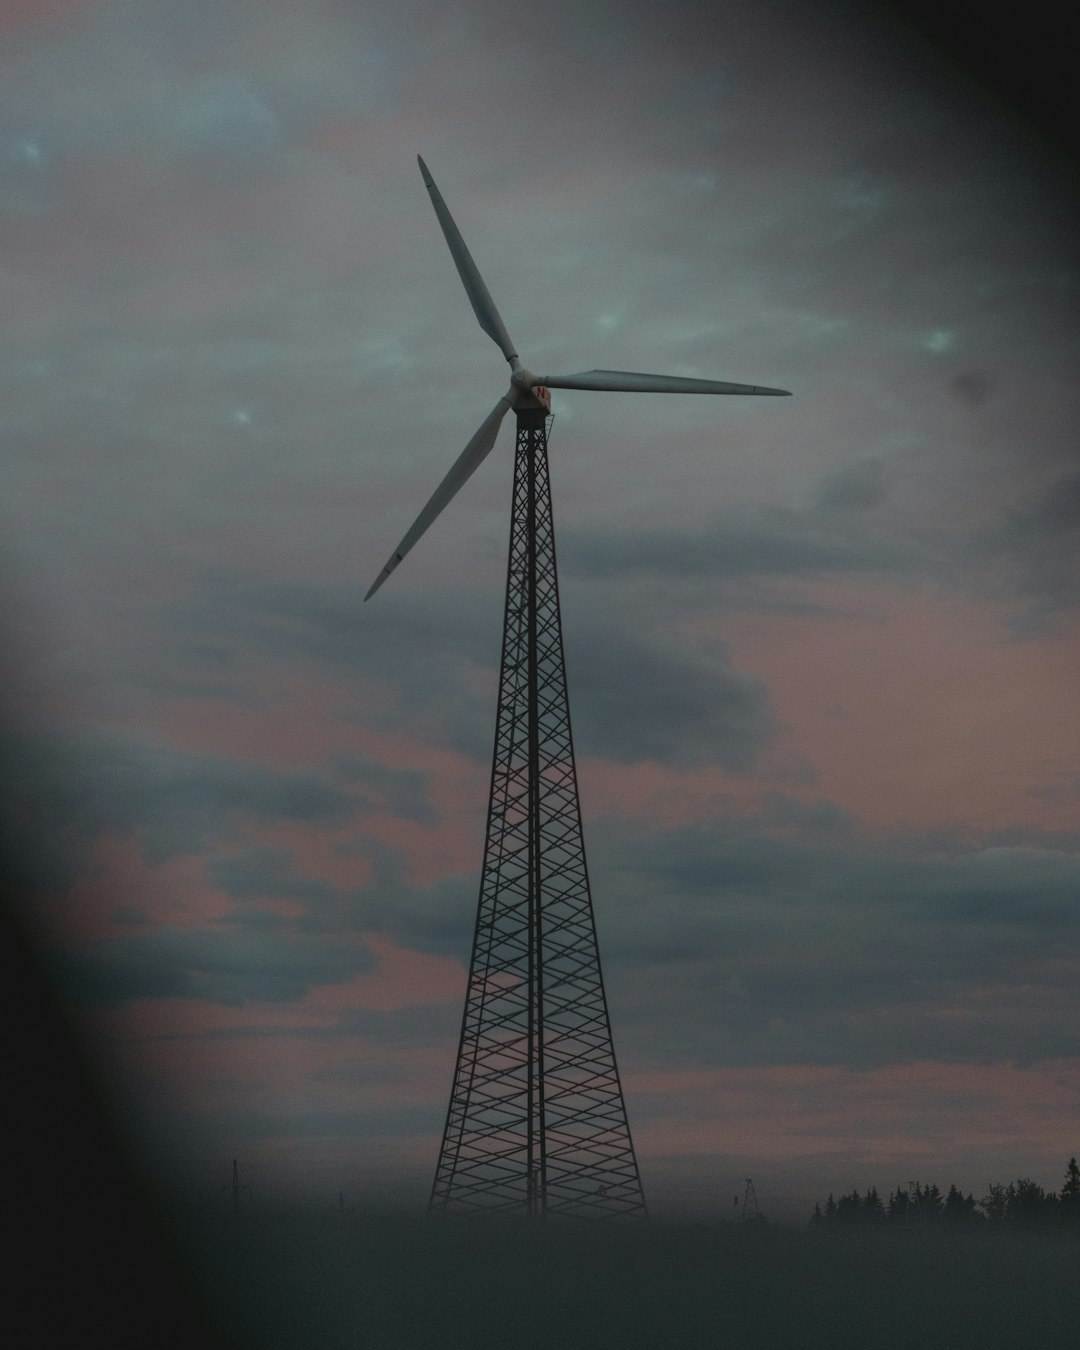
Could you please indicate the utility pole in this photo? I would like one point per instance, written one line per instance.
(236, 1188)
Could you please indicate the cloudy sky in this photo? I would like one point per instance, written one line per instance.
(823, 651)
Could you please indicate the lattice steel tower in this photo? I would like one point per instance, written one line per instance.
(537, 1123)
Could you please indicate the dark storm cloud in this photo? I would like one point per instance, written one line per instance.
(1033, 554)
(221, 964)
(330, 625)
(424, 650)
(779, 939)
(442, 913)
(854, 487)
(437, 918)
(820, 820)
(134, 77)
(771, 544)
(663, 697)
(392, 1031)
(973, 387)
(1067, 788)
(268, 874)
(864, 1015)
(785, 951)
(59, 794)
(399, 791)
(810, 882)
(708, 711)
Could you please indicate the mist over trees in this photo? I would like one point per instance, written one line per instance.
(1022, 1205)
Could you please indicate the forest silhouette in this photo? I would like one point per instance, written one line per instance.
(1021, 1206)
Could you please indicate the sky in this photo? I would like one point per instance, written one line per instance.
(822, 651)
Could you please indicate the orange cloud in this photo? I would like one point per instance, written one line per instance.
(918, 1112)
(119, 894)
(923, 717)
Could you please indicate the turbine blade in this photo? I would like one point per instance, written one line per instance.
(464, 466)
(630, 382)
(482, 303)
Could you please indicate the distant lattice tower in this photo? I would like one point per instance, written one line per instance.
(750, 1211)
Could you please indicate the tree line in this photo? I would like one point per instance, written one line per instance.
(1021, 1205)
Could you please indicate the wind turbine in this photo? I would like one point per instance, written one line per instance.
(536, 1123)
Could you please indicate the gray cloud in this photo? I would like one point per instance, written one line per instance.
(129, 76)
(646, 694)
(973, 387)
(436, 918)
(854, 487)
(270, 873)
(60, 793)
(780, 939)
(393, 644)
(221, 964)
(769, 950)
(1033, 553)
(769, 543)
(658, 696)
(401, 792)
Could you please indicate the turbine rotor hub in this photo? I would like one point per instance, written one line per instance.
(530, 394)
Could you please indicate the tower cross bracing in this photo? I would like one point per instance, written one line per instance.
(537, 1121)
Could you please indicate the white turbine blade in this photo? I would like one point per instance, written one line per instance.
(482, 303)
(631, 382)
(464, 466)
